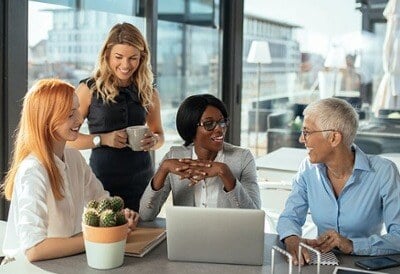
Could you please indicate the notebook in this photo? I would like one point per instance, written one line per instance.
(143, 239)
(216, 235)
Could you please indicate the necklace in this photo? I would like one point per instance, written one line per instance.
(335, 175)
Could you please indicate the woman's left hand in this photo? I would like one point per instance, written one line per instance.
(329, 240)
(149, 141)
(132, 217)
(201, 169)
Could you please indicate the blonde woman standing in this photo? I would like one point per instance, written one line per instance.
(118, 95)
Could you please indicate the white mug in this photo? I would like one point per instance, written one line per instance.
(135, 135)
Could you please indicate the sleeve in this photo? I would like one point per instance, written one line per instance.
(31, 207)
(390, 196)
(94, 189)
(246, 193)
(152, 201)
(294, 215)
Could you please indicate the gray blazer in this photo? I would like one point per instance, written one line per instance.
(246, 193)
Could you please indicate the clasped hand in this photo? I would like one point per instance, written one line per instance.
(194, 170)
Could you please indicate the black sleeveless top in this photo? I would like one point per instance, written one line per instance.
(123, 172)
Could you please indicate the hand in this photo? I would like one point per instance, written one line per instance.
(292, 246)
(132, 217)
(167, 166)
(194, 170)
(201, 169)
(149, 141)
(117, 138)
(331, 239)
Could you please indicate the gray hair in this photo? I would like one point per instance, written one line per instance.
(337, 114)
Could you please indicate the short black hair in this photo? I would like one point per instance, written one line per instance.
(190, 112)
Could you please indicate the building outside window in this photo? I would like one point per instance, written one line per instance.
(189, 51)
(302, 36)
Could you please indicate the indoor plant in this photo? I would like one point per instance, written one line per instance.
(104, 231)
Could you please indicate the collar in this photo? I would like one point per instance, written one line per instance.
(218, 158)
(59, 163)
(361, 160)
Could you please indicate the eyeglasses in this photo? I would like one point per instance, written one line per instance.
(307, 133)
(211, 124)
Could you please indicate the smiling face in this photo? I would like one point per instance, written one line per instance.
(208, 143)
(318, 146)
(124, 61)
(69, 129)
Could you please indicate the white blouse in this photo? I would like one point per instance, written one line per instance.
(34, 212)
(206, 191)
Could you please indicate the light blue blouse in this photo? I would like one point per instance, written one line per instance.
(370, 199)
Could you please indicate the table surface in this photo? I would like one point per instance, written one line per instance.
(289, 159)
(284, 158)
(157, 262)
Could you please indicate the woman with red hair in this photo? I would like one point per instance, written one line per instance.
(49, 184)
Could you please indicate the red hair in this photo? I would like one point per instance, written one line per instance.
(46, 106)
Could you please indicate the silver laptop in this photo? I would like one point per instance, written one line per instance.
(215, 235)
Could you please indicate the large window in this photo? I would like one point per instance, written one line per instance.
(188, 63)
(65, 38)
(313, 54)
(64, 41)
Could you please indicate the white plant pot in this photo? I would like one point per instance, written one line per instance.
(105, 246)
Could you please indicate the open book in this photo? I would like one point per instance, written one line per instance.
(143, 239)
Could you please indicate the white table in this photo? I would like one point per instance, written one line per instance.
(394, 157)
(281, 164)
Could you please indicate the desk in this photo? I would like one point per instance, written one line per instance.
(157, 262)
(281, 164)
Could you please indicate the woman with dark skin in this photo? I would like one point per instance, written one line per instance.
(205, 171)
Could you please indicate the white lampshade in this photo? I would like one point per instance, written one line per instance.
(336, 58)
(259, 53)
(357, 62)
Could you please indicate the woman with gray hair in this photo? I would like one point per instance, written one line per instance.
(350, 194)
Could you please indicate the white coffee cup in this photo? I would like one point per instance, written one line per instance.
(135, 135)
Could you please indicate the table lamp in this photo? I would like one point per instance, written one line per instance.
(259, 54)
(336, 59)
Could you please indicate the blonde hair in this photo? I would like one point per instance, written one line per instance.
(105, 80)
(46, 106)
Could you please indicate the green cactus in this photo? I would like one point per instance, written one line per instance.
(104, 205)
(107, 218)
(92, 204)
(106, 213)
(120, 217)
(90, 217)
(117, 203)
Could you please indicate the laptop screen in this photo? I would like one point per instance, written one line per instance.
(217, 235)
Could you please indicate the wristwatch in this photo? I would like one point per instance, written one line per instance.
(97, 141)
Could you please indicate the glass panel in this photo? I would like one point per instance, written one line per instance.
(195, 12)
(64, 42)
(310, 58)
(188, 63)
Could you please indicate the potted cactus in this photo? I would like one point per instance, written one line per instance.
(104, 231)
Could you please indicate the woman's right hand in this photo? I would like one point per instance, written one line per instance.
(174, 166)
(292, 246)
(116, 139)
